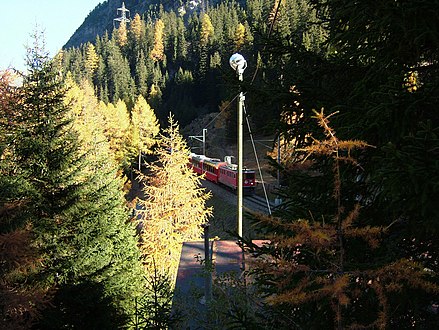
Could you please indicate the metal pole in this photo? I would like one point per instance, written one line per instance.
(204, 141)
(239, 64)
(208, 265)
(240, 159)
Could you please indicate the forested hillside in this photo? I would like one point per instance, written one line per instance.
(177, 56)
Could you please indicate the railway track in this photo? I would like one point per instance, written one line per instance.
(253, 203)
(257, 203)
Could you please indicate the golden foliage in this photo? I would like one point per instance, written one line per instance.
(275, 11)
(91, 59)
(144, 127)
(411, 81)
(21, 300)
(239, 37)
(206, 32)
(137, 27)
(158, 51)
(121, 34)
(8, 98)
(174, 208)
(339, 150)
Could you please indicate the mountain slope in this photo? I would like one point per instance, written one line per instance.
(101, 18)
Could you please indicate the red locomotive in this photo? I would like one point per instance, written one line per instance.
(223, 172)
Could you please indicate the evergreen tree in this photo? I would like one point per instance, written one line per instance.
(369, 78)
(74, 211)
(155, 310)
(175, 206)
(21, 301)
(120, 82)
(91, 60)
(142, 75)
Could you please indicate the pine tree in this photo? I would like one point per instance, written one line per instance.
(175, 206)
(74, 212)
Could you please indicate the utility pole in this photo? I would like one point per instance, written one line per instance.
(122, 11)
(239, 64)
(203, 139)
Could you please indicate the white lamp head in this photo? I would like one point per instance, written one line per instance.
(238, 63)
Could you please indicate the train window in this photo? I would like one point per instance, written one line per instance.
(249, 176)
(209, 168)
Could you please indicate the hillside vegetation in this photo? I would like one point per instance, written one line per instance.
(348, 90)
(351, 88)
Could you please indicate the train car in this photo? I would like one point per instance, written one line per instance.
(204, 165)
(211, 169)
(229, 177)
(222, 172)
(196, 163)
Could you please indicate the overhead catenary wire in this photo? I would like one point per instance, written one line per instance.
(219, 113)
(257, 161)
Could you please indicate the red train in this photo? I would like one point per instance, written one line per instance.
(222, 172)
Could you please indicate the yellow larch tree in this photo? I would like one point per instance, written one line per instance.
(136, 27)
(174, 209)
(158, 51)
(121, 34)
(239, 37)
(117, 122)
(144, 128)
(87, 119)
(207, 30)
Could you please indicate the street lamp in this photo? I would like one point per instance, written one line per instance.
(239, 64)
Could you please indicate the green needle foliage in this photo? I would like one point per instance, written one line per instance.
(71, 208)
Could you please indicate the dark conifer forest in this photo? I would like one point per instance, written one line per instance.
(347, 90)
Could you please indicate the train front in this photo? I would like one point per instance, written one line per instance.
(248, 182)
